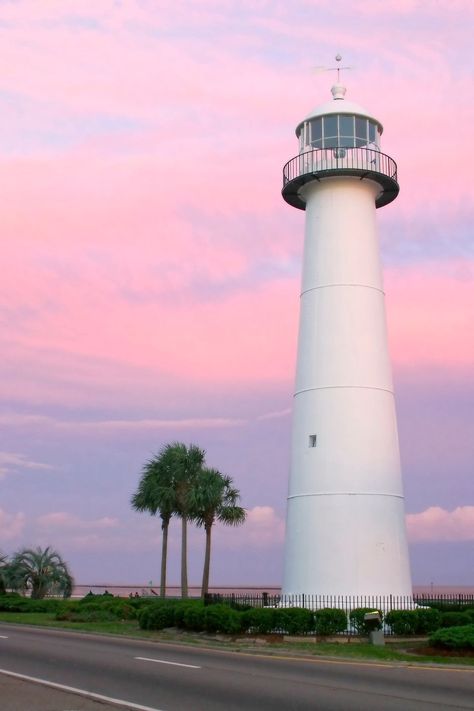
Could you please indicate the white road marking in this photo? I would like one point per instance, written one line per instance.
(3, 636)
(81, 692)
(162, 661)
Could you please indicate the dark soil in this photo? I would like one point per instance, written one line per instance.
(440, 652)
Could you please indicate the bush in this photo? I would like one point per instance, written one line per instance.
(222, 618)
(194, 617)
(297, 620)
(402, 622)
(157, 616)
(455, 619)
(101, 611)
(427, 620)
(330, 620)
(459, 638)
(12, 602)
(356, 617)
(263, 620)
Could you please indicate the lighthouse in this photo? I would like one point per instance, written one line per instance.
(345, 529)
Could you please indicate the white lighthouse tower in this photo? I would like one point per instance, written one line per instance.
(345, 530)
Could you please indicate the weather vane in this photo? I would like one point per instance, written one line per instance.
(337, 68)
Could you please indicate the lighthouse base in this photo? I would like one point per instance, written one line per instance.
(348, 545)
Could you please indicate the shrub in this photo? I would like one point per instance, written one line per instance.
(427, 620)
(17, 603)
(194, 617)
(222, 618)
(109, 611)
(454, 637)
(455, 619)
(402, 622)
(263, 620)
(330, 620)
(356, 617)
(156, 617)
(297, 620)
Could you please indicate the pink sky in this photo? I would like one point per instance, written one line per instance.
(151, 269)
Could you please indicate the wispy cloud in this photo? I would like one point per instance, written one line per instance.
(436, 524)
(13, 462)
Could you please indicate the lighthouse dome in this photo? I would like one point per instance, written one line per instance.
(338, 123)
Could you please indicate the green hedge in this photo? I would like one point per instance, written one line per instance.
(409, 622)
(12, 602)
(96, 611)
(263, 620)
(330, 620)
(456, 619)
(458, 638)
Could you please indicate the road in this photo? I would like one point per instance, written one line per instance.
(164, 677)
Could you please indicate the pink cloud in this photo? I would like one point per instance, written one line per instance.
(263, 528)
(436, 524)
(11, 525)
(430, 322)
(65, 520)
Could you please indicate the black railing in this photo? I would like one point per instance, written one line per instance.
(320, 163)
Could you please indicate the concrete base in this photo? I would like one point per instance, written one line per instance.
(376, 637)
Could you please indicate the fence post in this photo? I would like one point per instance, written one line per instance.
(264, 599)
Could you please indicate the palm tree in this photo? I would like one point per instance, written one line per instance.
(156, 494)
(3, 572)
(189, 462)
(41, 571)
(215, 499)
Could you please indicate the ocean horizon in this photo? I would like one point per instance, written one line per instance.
(127, 589)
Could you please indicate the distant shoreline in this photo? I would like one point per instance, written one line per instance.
(195, 590)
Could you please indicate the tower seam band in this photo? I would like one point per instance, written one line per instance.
(346, 493)
(330, 286)
(333, 387)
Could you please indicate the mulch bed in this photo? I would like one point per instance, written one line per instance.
(440, 652)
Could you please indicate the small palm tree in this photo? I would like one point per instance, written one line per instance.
(41, 571)
(156, 494)
(215, 499)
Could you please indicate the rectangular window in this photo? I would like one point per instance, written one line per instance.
(316, 130)
(330, 126)
(346, 126)
(313, 440)
(361, 129)
(371, 132)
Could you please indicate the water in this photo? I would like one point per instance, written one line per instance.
(127, 589)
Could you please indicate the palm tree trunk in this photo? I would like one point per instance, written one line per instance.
(164, 556)
(184, 556)
(207, 562)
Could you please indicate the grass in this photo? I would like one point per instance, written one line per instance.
(396, 652)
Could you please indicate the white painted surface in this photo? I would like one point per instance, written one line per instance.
(345, 521)
(163, 661)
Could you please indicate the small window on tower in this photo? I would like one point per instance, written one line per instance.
(313, 440)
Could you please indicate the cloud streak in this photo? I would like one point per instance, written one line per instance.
(436, 524)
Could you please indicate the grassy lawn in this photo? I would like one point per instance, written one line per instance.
(396, 652)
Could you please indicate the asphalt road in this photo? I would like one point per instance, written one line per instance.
(163, 677)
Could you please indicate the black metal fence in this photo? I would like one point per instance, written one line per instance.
(348, 603)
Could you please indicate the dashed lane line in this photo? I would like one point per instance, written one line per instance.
(162, 661)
